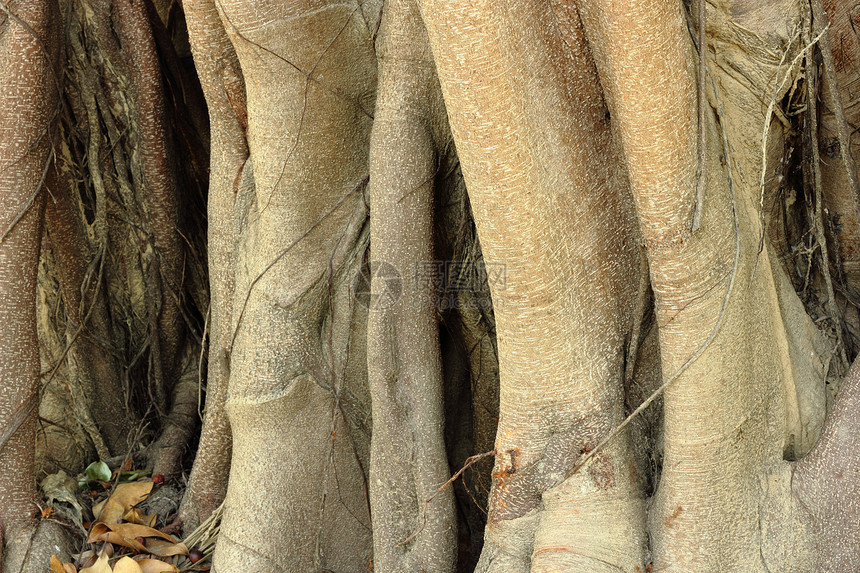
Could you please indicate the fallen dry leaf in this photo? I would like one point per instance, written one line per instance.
(88, 557)
(100, 566)
(137, 530)
(134, 515)
(61, 487)
(164, 548)
(123, 498)
(141, 538)
(103, 532)
(127, 565)
(56, 565)
(157, 566)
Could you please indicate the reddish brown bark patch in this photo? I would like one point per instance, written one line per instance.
(504, 471)
(602, 471)
(669, 520)
(516, 488)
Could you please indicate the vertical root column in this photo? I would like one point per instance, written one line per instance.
(551, 204)
(290, 436)
(414, 525)
(29, 86)
(295, 398)
(158, 190)
(221, 79)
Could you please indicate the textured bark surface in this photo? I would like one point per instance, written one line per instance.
(825, 483)
(712, 290)
(296, 361)
(344, 384)
(99, 398)
(223, 85)
(777, 408)
(511, 110)
(29, 64)
(158, 190)
(122, 281)
(408, 461)
(838, 143)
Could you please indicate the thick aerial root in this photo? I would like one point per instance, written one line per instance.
(179, 426)
(408, 460)
(827, 482)
(221, 79)
(319, 520)
(29, 546)
(508, 545)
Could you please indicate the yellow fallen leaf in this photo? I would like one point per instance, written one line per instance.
(127, 565)
(164, 548)
(157, 566)
(104, 532)
(134, 515)
(123, 498)
(100, 566)
(129, 534)
(137, 530)
(56, 565)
